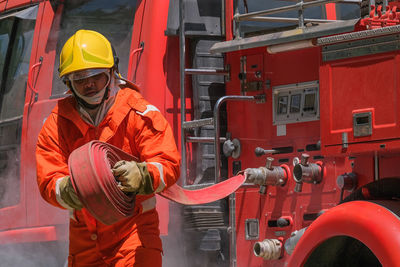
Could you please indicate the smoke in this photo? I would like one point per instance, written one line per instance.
(9, 185)
(34, 254)
(13, 253)
(173, 244)
(186, 243)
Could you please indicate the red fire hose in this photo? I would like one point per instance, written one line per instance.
(90, 168)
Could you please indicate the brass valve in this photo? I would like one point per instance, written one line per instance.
(305, 172)
(268, 249)
(268, 175)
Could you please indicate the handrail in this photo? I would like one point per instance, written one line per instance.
(300, 6)
(182, 87)
(30, 73)
(207, 71)
(286, 19)
(11, 120)
(197, 123)
(137, 50)
(204, 140)
(217, 148)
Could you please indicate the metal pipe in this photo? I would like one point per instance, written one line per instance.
(384, 5)
(260, 151)
(236, 22)
(217, 148)
(376, 166)
(11, 120)
(197, 123)
(286, 19)
(288, 8)
(301, 14)
(207, 71)
(193, 139)
(182, 84)
(223, 18)
(232, 229)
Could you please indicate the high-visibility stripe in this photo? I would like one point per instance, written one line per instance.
(148, 109)
(162, 184)
(148, 204)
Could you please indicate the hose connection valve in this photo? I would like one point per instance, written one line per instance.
(305, 172)
(269, 249)
(268, 175)
(292, 241)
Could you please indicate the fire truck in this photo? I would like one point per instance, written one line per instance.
(301, 97)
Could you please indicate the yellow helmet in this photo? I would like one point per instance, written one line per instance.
(85, 50)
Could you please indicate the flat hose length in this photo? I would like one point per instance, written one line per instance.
(90, 169)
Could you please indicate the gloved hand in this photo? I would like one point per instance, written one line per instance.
(68, 194)
(134, 177)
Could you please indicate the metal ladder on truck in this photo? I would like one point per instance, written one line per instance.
(213, 121)
(208, 221)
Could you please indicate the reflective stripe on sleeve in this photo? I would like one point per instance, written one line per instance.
(162, 184)
(148, 109)
(149, 204)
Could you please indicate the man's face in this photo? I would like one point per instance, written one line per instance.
(90, 86)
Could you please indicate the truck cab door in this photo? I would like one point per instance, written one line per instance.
(16, 37)
(30, 44)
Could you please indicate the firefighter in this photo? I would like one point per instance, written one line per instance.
(104, 106)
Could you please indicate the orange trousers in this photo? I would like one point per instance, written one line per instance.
(140, 257)
(119, 245)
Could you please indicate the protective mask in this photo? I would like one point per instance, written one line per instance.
(95, 99)
(98, 97)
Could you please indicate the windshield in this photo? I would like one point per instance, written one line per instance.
(249, 28)
(114, 19)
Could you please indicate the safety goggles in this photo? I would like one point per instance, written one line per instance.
(83, 74)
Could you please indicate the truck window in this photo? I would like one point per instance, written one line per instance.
(16, 35)
(114, 19)
(249, 28)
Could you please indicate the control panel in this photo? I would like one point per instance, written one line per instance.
(297, 102)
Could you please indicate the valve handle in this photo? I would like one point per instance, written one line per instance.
(304, 159)
(261, 151)
(268, 165)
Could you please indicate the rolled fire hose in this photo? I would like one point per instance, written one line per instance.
(90, 169)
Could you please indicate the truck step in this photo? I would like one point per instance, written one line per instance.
(197, 123)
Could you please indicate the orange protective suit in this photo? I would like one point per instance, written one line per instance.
(136, 127)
